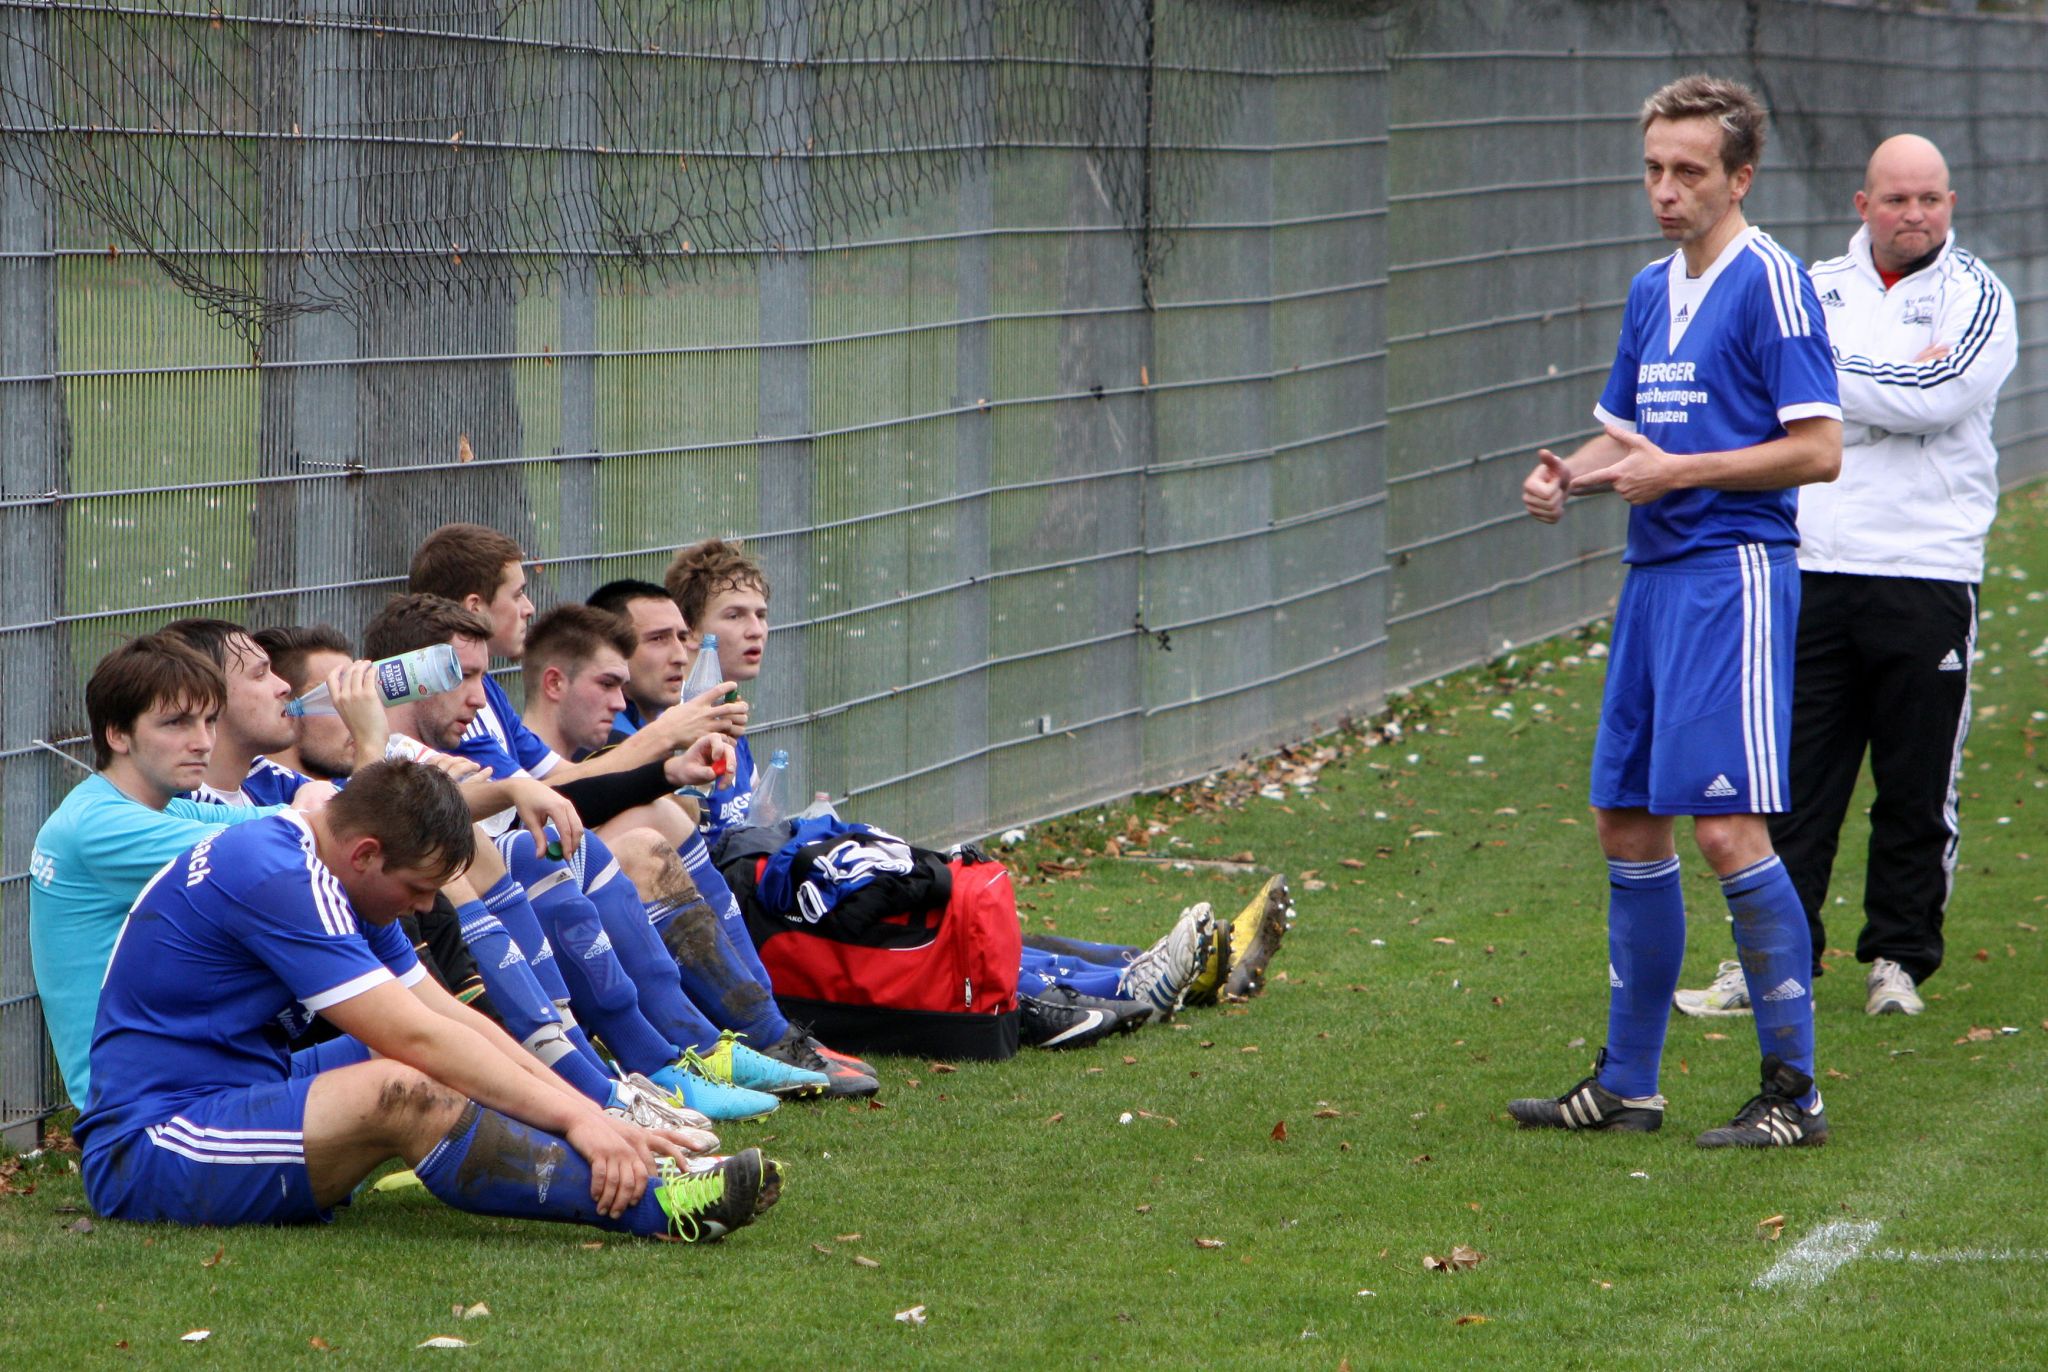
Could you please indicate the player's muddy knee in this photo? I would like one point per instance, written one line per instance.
(409, 1100)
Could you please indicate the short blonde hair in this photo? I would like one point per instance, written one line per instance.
(1730, 104)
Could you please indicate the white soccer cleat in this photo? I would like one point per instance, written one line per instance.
(645, 1106)
(1159, 976)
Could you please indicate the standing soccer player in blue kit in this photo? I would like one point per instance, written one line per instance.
(1721, 402)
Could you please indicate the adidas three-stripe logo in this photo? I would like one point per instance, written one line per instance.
(1580, 1109)
(1788, 989)
(1782, 1128)
(1720, 788)
(1950, 663)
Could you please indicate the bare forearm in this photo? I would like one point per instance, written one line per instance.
(462, 1059)
(513, 1051)
(1811, 452)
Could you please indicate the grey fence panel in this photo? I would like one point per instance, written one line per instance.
(1108, 389)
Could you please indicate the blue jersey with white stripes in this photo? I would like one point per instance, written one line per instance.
(1715, 363)
(230, 951)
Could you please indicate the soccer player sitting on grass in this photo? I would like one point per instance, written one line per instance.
(1070, 993)
(480, 569)
(201, 1116)
(253, 723)
(321, 746)
(659, 664)
(561, 903)
(152, 705)
(575, 667)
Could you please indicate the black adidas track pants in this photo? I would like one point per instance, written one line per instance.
(1884, 665)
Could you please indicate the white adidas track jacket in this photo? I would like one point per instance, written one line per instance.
(1919, 482)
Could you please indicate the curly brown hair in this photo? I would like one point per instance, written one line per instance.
(702, 570)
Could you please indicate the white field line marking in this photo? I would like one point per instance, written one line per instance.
(1814, 1258)
(1948, 1255)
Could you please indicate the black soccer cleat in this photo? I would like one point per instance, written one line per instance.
(1064, 1018)
(1589, 1105)
(1772, 1118)
(844, 1075)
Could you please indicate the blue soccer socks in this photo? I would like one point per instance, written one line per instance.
(1645, 950)
(1777, 960)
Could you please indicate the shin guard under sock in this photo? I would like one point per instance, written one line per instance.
(1645, 950)
(711, 885)
(491, 1164)
(1777, 958)
(647, 962)
(604, 996)
(712, 974)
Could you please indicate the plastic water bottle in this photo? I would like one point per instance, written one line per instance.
(421, 672)
(704, 672)
(819, 808)
(766, 806)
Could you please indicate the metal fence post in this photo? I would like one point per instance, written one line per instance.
(32, 432)
(308, 415)
(784, 395)
(974, 452)
(579, 134)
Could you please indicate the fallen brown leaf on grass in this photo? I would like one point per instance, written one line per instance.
(1978, 1034)
(821, 1248)
(214, 1261)
(1327, 1113)
(1770, 1227)
(1353, 863)
(1982, 955)
(861, 1261)
(846, 1238)
(1715, 1038)
(1471, 1319)
(319, 1345)
(1463, 1258)
(1280, 1132)
(941, 1068)
(1208, 1243)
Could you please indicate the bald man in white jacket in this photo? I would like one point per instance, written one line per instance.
(1890, 558)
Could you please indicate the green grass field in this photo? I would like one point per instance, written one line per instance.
(1448, 956)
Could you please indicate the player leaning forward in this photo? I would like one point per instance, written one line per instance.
(1722, 400)
(200, 1115)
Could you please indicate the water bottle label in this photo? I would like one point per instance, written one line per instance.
(393, 680)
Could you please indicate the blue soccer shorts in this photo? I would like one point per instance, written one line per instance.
(1697, 718)
(234, 1157)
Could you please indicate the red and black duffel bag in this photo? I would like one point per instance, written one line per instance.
(919, 959)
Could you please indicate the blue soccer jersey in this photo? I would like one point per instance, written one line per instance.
(92, 855)
(268, 783)
(1712, 364)
(727, 807)
(499, 739)
(229, 952)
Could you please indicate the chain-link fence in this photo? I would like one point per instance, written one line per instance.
(1109, 388)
